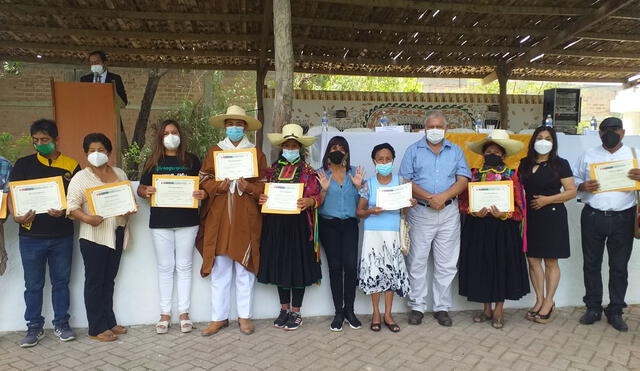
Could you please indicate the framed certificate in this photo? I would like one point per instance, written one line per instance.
(39, 195)
(487, 194)
(613, 176)
(394, 198)
(236, 164)
(3, 205)
(282, 198)
(174, 191)
(112, 199)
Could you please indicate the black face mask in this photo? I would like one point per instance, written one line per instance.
(492, 160)
(610, 139)
(336, 157)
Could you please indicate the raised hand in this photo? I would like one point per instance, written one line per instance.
(358, 178)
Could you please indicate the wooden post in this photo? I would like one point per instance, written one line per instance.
(284, 62)
(261, 68)
(260, 75)
(503, 76)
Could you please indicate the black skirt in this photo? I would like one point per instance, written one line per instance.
(548, 232)
(492, 267)
(287, 257)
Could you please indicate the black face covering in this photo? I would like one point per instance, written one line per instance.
(492, 160)
(610, 139)
(336, 157)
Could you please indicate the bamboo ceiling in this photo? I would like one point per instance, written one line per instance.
(570, 40)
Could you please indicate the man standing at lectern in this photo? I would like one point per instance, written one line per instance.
(99, 74)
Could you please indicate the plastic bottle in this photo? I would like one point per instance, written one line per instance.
(478, 123)
(324, 121)
(549, 121)
(383, 119)
(594, 123)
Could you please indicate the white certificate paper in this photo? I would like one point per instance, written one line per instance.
(111, 200)
(282, 198)
(394, 198)
(487, 194)
(174, 191)
(237, 164)
(39, 195)
(613, 176)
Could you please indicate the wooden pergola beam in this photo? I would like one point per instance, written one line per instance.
(564, 67)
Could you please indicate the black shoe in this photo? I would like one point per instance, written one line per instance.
(443, 318)
(282, 319)
(294, 321)
(352, 320)
(415, 317)
(336, 324)
(590, 317)
(617, 322)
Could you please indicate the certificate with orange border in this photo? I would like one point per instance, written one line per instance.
(174, 191)
(236, 164)
(111, 199)
(282, 198)
(3, 205)
(39, 195)
(487, 194)
(613, 176)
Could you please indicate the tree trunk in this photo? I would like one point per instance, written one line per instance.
(140, 130)
(260, 75)
(284, 62)
(503, 76)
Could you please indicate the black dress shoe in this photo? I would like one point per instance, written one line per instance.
(443, 318)
(617, 322)
(415, 317)
(590, 317)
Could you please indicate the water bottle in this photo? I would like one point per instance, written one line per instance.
(383, 119)
(594, 123)
(478, 123)
(324, 121)
(549, 121)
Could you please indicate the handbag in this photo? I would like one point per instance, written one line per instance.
(405, 240)
(636, 225)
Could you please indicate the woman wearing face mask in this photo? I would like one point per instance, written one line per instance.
(289, 251)
(382, 266)
(338, 228)
(102, 240)
(173, 229)
(548, 183)
(492, 265)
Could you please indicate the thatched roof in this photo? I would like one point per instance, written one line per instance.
(582, 40)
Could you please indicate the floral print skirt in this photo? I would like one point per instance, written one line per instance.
(382, 266)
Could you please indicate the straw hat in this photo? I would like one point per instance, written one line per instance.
(291, 131)
(235, 113)
(501, 138)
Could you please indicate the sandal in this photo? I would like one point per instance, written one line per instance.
(119, 330)
(186, 326)
(544, 318)
(392, 326)
(375, 326)
(482, 317)
(162, 327)
(497, 323)
(105, 336)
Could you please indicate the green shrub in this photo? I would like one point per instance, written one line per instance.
(13, 148)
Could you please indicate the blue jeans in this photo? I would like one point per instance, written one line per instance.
(36, 253)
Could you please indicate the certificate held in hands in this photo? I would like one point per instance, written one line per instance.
(487, 194)
(394, 198)
(236, 164)
(174, 191)
(39, 195)
(282, 198)
(112, 199)
(614, 176)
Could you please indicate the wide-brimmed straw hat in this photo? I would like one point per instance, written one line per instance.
(235, 113)
(499, 137)
(291, 131)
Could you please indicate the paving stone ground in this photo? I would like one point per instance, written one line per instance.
(521, 345)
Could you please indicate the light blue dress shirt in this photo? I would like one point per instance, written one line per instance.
(341, 200)
(434, 173)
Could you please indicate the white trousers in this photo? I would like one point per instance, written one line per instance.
(174, 251)
(221, 277)
(437, 231)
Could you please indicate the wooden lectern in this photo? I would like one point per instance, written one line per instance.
(81, 108)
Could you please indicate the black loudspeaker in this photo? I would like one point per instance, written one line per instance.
(564, 107)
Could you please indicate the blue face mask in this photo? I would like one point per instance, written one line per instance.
(235, 133)
(291, 154)
(384, 169)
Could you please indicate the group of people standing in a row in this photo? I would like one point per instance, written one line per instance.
(488, 249)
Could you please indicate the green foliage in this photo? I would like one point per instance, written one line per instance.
(13, 148)
(356, 83)
(11, 68)
(134, 158)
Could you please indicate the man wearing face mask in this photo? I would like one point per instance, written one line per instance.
(100, 75)
(230, 225)
(439, 172)
(45, 239)
(606, 216)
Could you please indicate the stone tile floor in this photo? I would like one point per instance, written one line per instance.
(563, 344)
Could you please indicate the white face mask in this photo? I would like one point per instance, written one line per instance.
(435, 136)
(543, 146)
(171, 142)
(97, 68)
(97, 159)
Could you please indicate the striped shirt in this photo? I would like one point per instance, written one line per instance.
(105, 232)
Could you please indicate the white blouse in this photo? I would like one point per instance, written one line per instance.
(105, 232)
